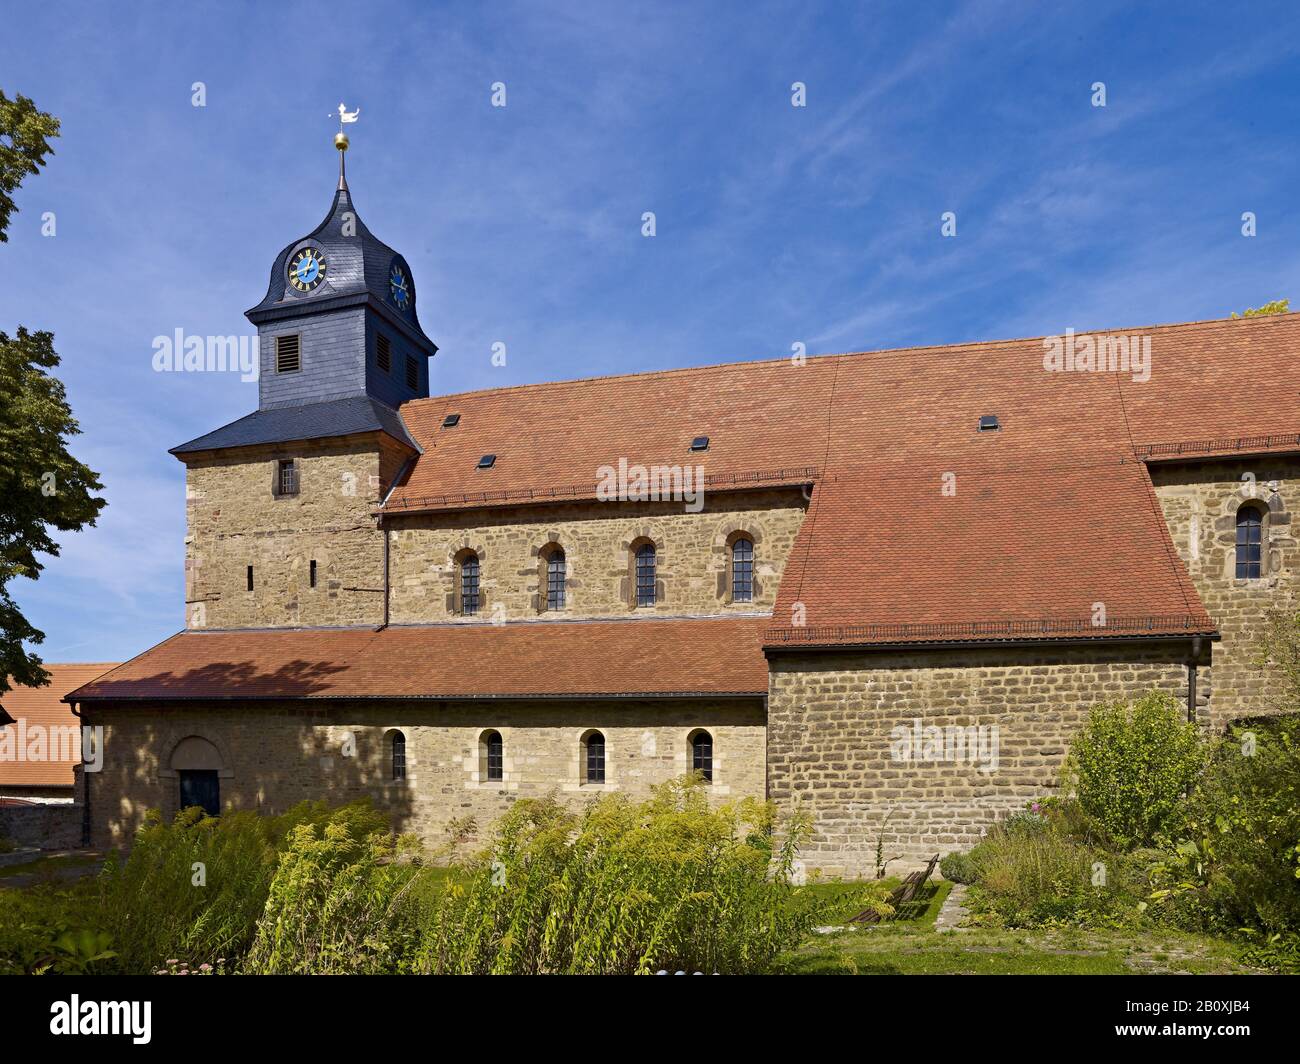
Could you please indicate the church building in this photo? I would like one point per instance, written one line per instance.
(883, 588)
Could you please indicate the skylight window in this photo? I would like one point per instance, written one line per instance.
(989, 423)
(487, 461)
(451, 421)
(700, 443)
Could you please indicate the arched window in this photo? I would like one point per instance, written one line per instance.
(553, 569)
(645, 574)
(469, 592)
(397, 754)
(491, 756)
(593, 756)
(1250, 542)
(742, 569)
(702, 754)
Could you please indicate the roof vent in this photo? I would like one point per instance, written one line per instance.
(451, 421)
(989, 423)
(487, 461)
(700, 443)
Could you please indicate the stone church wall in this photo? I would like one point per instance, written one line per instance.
(274, 755)
(843, 731)
(692, 555)
(1200, 502)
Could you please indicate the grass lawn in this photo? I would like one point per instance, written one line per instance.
(911, 946)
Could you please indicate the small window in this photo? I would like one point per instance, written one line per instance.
(286, 477)
(700, 443)
(250, 578)
(645, 574)
(469, 589)
(383, 352)
(989, 423)
(311, 572)
(451, 421)
(702, 754)
(397, 748)
(492, 756)
(288, 354)
(1250, 543)
(487, 461)
(742, 570)
(412, 373)
(593, 750)
(555, 575)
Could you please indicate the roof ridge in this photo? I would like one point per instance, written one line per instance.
(829, 356)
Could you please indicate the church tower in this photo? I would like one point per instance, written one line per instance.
(280, 504)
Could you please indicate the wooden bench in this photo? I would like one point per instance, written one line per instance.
(905, 891)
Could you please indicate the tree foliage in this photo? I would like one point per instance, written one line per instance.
(25, 133)
(1277, 306)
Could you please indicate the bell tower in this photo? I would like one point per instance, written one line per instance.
(341, 347)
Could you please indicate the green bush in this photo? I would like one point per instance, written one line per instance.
(1235, 861)
(623, 887)
(335, 906)
(196, 887)
(957, 868)
(1132, 765)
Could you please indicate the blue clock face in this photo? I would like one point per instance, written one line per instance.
(399, 286)
(306, 269)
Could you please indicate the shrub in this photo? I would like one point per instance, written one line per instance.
(45, 930)
(335, 905)
(624, 888)
(957, 868)
(1132, 765)
(1028, 872)
(1235, 862)
(195, 887)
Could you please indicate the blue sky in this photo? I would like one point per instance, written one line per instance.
(522, 224)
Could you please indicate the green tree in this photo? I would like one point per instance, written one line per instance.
(1278, 306)
(42, 487)
(25, 134)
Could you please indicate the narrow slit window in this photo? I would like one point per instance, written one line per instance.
(702, 754)
(594, 750)
(742, 570)
(398, 757)
(1250, 543)
(250, 578)
(555, 572)
(469, 585)
(311, 573)
(383, 352)
(645, 574)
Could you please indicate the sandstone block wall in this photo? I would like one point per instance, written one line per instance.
(834, 751)
(1200, 502)
(274, 755)
(692, 555)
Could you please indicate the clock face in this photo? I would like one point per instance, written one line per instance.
(399, 286)
(306, 269)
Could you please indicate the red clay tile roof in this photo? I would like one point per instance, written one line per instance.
(43, 707)
(776, 422)
(654, 658)
(1053, 513)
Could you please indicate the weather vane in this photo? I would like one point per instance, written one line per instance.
(341, 138)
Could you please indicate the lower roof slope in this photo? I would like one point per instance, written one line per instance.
(530, 659)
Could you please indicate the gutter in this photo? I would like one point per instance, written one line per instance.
(976, 644)
(85, 780)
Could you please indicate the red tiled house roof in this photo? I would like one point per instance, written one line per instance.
(43, 707)
(1052, 514)
(716, 657)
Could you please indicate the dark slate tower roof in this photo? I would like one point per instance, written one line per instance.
(358, 273)
(357, 349)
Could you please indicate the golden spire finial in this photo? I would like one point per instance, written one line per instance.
(341, 139)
